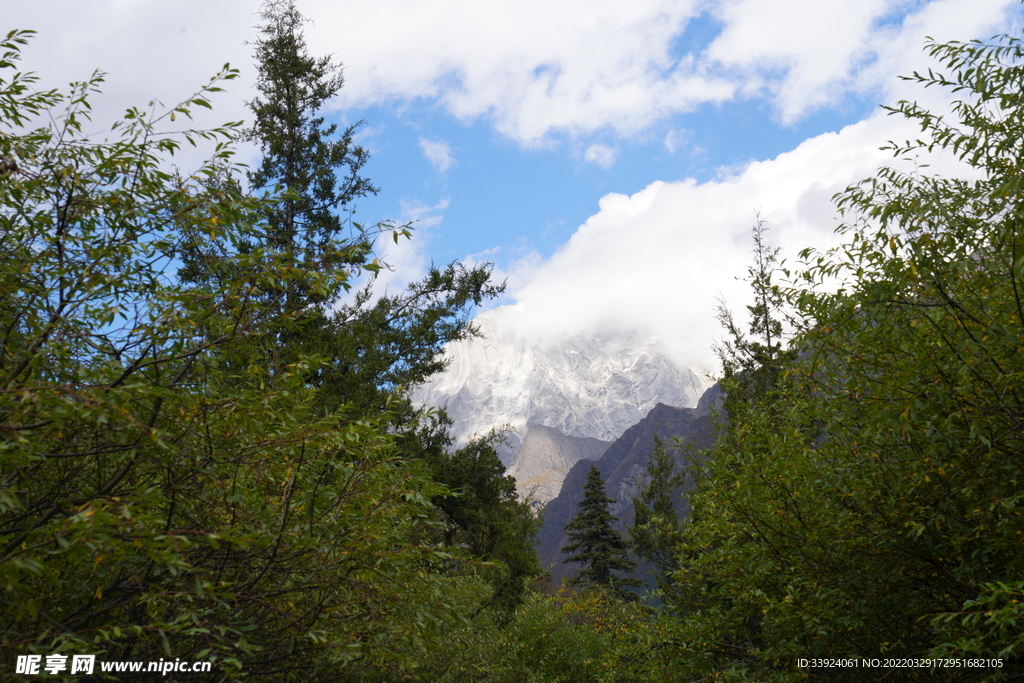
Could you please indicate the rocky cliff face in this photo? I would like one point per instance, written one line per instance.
(623, 467)
(592, 388)
(545, 456)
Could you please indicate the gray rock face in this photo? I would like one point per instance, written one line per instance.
(623, 467)
(545, 456)
(587, 387)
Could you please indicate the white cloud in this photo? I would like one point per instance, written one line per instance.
(658, 260)
(899, 48)
(808, 54)
(803, 51)
(150, 51)
(675, 140)
(534, 68)
(575, 67)
(600, 154)
(438, 153)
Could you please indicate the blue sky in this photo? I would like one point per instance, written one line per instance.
(500, 194)
(607, 157)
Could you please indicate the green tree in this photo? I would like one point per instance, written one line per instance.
(162, 493)
(374, 345)
(302, 156)
(750, 366)
(869, 506)
(310, 175)
(656, 530)
(375, 352)
(594, 543)
(480, 512)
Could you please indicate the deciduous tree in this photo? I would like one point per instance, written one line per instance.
(162, 494)
(870, 504)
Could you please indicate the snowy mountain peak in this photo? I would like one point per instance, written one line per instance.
(594, 386)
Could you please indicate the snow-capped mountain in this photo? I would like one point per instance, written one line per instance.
(594, 386)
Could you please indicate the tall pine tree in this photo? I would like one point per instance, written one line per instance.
(751, 365)
(302, 155)
(372, 346)
(594, 543)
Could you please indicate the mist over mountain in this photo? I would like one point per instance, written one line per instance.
(591, 386)
(560, 401)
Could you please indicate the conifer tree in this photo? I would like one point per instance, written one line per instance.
(302, 155)
(309, 170)
(751, 365)
(372, 348)
(656, 529)
(594, 543)
(373, 345)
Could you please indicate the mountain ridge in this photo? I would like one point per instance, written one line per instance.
(545, 456)
(623, 467)
(588, 386)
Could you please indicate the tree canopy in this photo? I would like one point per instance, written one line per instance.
(160, 493)
(173, 483)
(869, 505)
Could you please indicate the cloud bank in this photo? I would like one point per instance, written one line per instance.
(535, 69)
(574, 67)
(660, 260)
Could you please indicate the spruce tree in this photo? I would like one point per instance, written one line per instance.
(302, 155)
(751, 365)
(311, 173)
(656, 529)
(594, 543)
(373, 346)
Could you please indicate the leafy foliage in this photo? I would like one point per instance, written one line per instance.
(870, 504)
(656, 530)
(588, 636)
(374, 351)
(479, 511)
(173, 484)
(160, 495)
(375, 346)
